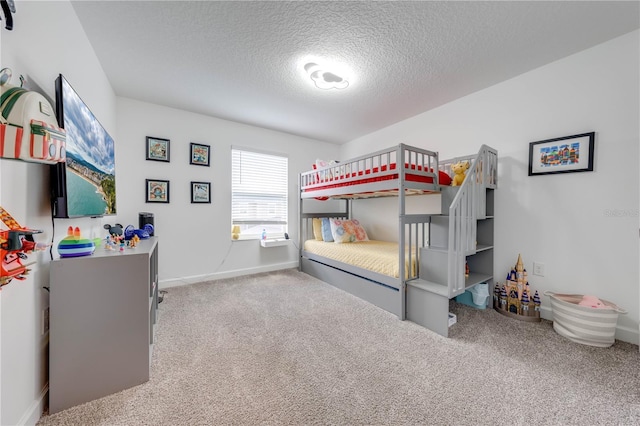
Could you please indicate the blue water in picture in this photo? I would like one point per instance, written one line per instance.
(82, 197)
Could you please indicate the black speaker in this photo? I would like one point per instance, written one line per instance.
(146, 218)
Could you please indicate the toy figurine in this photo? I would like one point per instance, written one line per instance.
(118, 240)
(459, 170)
(109, 243)
(235, 232)
(114, 230)
(133, 242)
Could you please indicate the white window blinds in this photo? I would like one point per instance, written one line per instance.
(259, 192)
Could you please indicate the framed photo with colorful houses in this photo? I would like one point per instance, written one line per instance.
(157, 191)
(567, 154)
(199, 154)
(157, 149)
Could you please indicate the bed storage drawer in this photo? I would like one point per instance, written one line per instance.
(380, 295)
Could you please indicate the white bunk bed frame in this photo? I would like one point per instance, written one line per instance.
(384, 291)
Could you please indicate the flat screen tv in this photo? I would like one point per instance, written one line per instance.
(84, 185)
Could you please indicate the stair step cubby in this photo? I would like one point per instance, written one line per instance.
(428, 297)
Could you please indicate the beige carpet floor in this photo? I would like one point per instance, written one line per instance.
(285, 348)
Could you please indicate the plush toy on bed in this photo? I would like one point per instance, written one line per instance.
(459, 170)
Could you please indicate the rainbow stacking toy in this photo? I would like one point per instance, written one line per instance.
(73, 245)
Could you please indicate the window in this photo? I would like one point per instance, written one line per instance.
(259, 193)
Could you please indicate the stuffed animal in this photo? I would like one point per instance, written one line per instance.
(459, 170)
(592, 302)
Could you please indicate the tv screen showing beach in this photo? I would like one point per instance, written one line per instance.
(90, 166)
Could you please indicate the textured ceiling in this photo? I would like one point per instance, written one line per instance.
(243, 61)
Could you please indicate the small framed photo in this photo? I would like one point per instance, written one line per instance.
(567, 154)
(199, 154)
(157, 149)
(157, 191)
(200, 192)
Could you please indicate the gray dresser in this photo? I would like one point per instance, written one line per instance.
(103, 309)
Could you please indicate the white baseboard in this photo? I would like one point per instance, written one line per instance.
(177, 282)
(624, 334)
(628, 335)
(35, 410)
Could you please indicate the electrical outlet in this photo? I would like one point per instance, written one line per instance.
(45, 321)
(538, 269)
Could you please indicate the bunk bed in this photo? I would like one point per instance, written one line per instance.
(399, 171)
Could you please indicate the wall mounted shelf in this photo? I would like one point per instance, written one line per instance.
(275, 243)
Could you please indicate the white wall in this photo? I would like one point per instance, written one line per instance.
(47, 39)
(195, 239)
(582, 226)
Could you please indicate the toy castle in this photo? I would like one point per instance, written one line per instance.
(514, 298)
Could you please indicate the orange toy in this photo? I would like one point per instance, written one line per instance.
(15, 244)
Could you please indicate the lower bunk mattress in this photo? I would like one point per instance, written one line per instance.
(376, 256)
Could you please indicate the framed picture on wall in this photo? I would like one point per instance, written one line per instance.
(199, 154)
(567, 154)
(157, 191)
(157, 149)
(200, 192)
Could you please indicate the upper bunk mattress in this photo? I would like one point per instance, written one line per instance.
(379, 175)
(373, 182)
(375, 256)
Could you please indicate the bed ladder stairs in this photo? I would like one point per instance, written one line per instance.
(461, 235)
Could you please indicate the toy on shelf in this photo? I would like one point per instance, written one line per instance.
(119, 238)
(235, 232)
(73, 245)
(114, 230)
(459, 170)
(110, 242)
(15, 244)
(142, 234)
(115, 237)
(133, 242)
(514, 298)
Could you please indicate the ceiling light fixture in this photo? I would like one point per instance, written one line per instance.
(325, 79)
